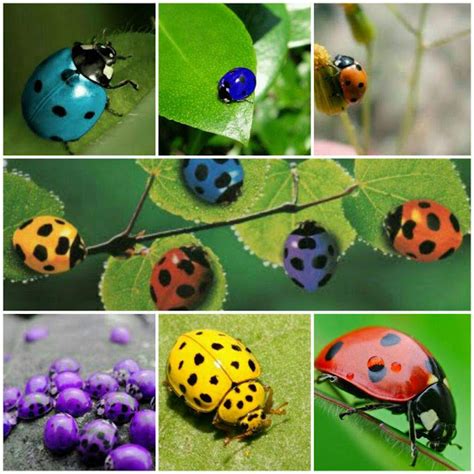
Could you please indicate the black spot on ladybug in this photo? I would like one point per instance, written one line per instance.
(216, 346)
(228, 404)
(252, 365)
(252, 387)
(237, 348)
(213, 380)
(41, 253)
(347, 83)
(94, 447)
(447, 254)
(180, 366)
(38, 86)
(377, 369)
(296, 282)
(285, 253)
(252, 416)
(307, 243)
(223, 180)
(185, 291)
(390, 339)
(183, 344)
(424, 204)
(199, 333)
(45, 230)
(198, 359)
(249, 398)
(59, 111)
(240, 404)
(263, 415)
(187, 266)
(192, 379)
(324, 280)
(205, 397)
(330, 250)
(433, 222)
(245, 426)
(297, 263)
(201, 172)
(333, 350)
(319, 261)
(63, 246)
(454, 222)
(182, 388)
(84, 442)
(408, 228)
(237, 390)
(25, 224)
(101, 435)
(235, 364)
(360, 85)
(164, 277)
(20, 252)
(426, 247)
(89, 115)
(125, 408)
(55, 138)
(48, 268)
(353, 99)
(358, 67)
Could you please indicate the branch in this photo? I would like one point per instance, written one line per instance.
(448, 39)
(401, 18)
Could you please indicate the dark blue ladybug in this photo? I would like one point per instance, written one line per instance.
(65, 96)
(236, 85)
(214, 181)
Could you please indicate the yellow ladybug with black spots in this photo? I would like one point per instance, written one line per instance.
(212, 371)
(49, 244)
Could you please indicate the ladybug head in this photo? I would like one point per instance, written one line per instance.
(107, 52)
(256, 420)
(341, 61)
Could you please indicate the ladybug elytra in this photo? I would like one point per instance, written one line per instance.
(352, 78)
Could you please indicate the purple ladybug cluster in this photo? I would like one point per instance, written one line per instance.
(123, 395)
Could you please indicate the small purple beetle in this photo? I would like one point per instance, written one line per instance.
(37, 384)
(129, 457)
(100, 383)
(141, 385)
(118, 407)
(142, 429)
(123, 369)
(96, 440)
(73, 401)
(61, 434)
(65, 380)
(34, 405)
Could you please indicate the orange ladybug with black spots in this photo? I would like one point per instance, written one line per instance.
(352, 78)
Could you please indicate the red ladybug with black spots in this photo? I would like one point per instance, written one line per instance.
(352, 78)
(181, 279)
(395, 372)
(423, 230)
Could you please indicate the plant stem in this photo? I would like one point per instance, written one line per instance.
(366, 117)
(448, 39)
(401, 18)
(350, 132)
(122, 242)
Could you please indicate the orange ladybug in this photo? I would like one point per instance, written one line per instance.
(352, 78)
(423, 230)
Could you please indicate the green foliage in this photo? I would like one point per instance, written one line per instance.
(125, 284)
(22, 200)
(317, 179)
(198, 45)
(300, 25)
(385, 184)
(281, 344)
(20, 140)
(170, 192)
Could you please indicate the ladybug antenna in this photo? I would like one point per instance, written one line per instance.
(455, 444)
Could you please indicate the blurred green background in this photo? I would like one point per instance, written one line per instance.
(281, 343)
(51, 27)
(443, 122)
(100, 196)
(353, 444)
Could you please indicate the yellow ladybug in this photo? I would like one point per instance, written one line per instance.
(211, 371)
(49, 244)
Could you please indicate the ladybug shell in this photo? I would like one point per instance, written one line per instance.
(180, 280)
(423, 230)
(353, 82)
(384, 363)
(205, 364)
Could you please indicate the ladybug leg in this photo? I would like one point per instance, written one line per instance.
(269, 404)
(124, 83)
(68, 148)
(412, 434)
(326, 378)
(371, 407)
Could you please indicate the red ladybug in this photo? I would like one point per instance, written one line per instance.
(423, 230)
(352, 78)
(399, 374)
(180, 280)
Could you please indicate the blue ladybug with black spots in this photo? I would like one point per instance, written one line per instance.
(236, 85)
(66, 94)
(310, 256)
(214, 181)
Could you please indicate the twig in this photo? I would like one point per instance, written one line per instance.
(350, 132)
(401, 18)
(448, 39)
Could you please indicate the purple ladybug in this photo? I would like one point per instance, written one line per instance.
(37, 384)
(142, 429)
(129, 457)
(34, 405)
(141, 385)
(61, 434)
(310, 256)
(123, 369)
(65, 364)
(100, 383)
(120, 335)
(65, 380)
(11, 397)
(73, 401)
(9, 422)
(118, 407)
(36, 333)
(96, 440)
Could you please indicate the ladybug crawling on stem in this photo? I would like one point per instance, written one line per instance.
(352, 78)
(397, 373)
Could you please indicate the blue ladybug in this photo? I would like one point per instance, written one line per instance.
(214, 181)
(65, 96)
(310, 256)
(236, 85)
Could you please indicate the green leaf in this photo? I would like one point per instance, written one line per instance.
(171, 194)
(269, 27)
(385, 184)
(20, 140)
(317, 179)
(199, 43)
(125, 283)
(22, 200)
(300, 25)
